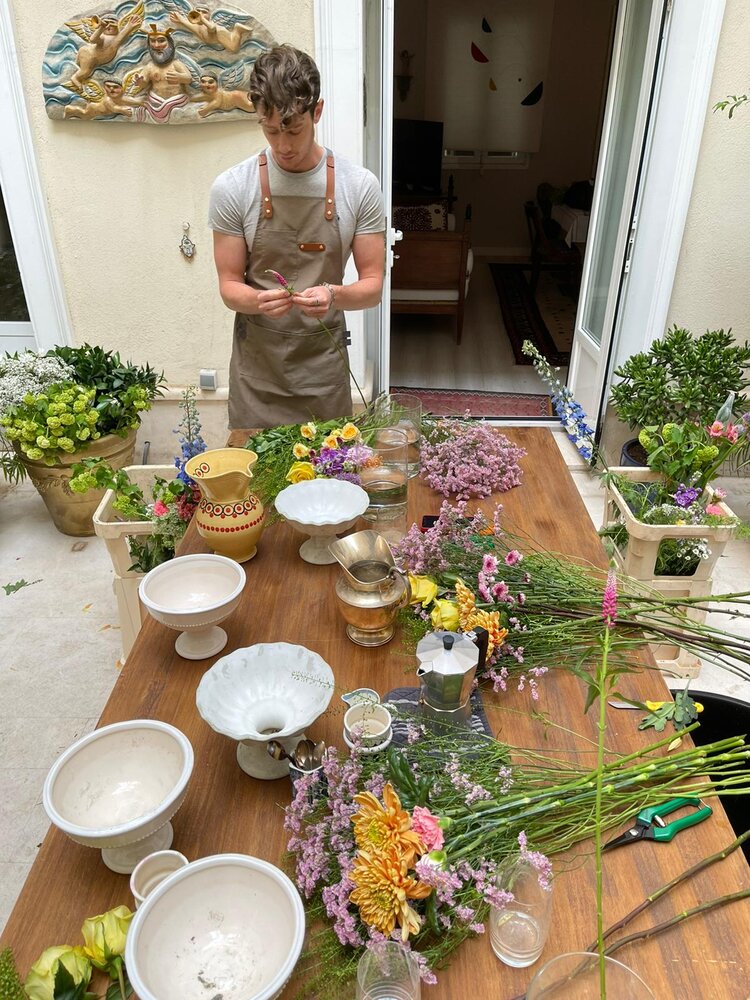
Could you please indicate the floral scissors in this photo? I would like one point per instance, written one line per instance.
(649, 824)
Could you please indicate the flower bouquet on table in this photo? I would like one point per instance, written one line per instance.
(467, 458)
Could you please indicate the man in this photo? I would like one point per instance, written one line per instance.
(295, 210)
(166, 79)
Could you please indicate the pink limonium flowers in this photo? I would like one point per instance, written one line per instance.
(469, 459)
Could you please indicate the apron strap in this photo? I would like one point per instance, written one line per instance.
(265, 187)
(330, 206)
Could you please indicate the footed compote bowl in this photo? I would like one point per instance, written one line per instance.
(271, 691)
(118, 788)
(228, 926)
(192, 594)
(323, 509)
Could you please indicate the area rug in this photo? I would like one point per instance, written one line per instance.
(547, 320)
(493, 405)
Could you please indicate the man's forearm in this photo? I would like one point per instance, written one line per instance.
(239, 297)
(362, 294)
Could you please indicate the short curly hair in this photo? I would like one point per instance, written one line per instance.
(285, 80)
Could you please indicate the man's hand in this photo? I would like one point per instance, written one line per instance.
(275, 303)
(315, 301)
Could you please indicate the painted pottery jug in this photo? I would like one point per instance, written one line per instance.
(370, 590)
(229, 517)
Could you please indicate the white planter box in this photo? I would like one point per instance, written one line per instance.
(110, 525)
(638, 560)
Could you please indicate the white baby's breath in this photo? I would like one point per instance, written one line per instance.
(29, 373)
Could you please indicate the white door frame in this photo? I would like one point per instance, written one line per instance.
(667, 180)
(27, 213)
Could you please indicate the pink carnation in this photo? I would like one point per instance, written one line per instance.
(715, 509)
(160, 508)
(426, 825)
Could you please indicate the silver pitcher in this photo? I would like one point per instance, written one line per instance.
(371, 589)
(447, 665)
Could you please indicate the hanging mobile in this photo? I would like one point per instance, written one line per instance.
(187, 247)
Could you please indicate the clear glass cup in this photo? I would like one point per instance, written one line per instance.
(406, 412)
(386, 478)
(518, 931)
(387, 971)
(575, 976)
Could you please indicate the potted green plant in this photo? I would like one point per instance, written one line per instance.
(69, 401)
(680, 379)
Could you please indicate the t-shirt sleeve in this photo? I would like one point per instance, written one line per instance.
(371, 214)
(224, 212)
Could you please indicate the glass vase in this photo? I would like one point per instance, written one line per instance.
(387, 971)
(575, 976)
(518, 931)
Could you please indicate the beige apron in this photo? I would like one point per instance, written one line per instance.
(288, 370)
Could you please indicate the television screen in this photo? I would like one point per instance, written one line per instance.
(417, 155)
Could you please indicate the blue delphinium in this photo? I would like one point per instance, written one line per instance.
(571, 413)
(189, 434)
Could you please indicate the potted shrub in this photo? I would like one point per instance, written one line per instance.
(71, 401)
(680, 379)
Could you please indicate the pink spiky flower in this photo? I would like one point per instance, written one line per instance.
(609, 602)
(281, 280)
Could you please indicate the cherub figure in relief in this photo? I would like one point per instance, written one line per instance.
(222, 28)
(100, 102)
(102, 38)
(216, 94)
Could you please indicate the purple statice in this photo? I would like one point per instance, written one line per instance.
(538, 861)
(376, 940)
(470, 460)
(609, 601)
(414, 733)
(345, 921)
(686, 495)
(445, 881)
(473, 792)
(505, 776)
(427, 552)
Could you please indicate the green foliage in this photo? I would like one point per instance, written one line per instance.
(60, 420)
(733, 101)
(65, 986)
(12, 588)
(681, 378)
(680, 712)
(11, 987)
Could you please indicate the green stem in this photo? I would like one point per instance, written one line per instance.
(601, 686)
(344, 362)
(121, 981)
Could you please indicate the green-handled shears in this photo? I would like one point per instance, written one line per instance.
(649, 824)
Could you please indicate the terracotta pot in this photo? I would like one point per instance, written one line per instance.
(229, 517)
(72, 513)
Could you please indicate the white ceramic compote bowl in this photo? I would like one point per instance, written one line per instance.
(193, 594)
(271, 691)
(118, 788)
(226, 926)
(323, 509)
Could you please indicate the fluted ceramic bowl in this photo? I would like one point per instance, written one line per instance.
(193, 594)
(323, 509)
(118, 788)
(227, 926)
(270, 691)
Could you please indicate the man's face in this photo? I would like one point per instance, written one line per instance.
(293, 146)
(209, 85)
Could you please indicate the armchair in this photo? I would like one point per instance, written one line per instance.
(431, 274)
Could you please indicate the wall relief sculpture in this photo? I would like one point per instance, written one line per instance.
(156, 62)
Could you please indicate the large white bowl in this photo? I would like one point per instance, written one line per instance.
(227, 926)
(118, 787)
(270, 691)
(192, 594)
(321, 508)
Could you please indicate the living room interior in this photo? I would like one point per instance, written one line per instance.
(498, 110)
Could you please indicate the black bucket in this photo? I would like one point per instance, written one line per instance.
(633, 453)
(721, 718)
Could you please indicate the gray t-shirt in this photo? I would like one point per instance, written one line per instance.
(234, 205)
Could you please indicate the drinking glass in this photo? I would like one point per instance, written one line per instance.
(519, 930)
(386, 478)
(406, 412)
(575, 976)
(387, 972)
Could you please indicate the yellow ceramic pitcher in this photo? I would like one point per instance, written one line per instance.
(230, 518)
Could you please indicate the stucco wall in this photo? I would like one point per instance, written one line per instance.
(117, 196)
(711, 286)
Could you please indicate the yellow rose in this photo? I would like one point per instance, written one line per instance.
(40, 982)
(300, 471)
(308, 431)
(300, 450)
(335, 433)
(444, 615)
(349, 432)
(104, 938)
(331, 441)
(423, 590)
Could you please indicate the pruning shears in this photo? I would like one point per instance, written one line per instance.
(649, 824)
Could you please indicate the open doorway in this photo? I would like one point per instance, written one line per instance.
(497, 120)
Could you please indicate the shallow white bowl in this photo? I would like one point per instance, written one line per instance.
(321, 508)
(270, 691)
(192, 594)
(118, 787)
(228, 925)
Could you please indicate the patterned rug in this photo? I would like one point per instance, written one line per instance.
(494, 405)
(547, 320)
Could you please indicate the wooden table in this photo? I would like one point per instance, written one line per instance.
(289, 600)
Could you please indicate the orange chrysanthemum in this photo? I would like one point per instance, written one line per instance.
(380, 828)
(382, 890)
(466, 602)
(491, 621)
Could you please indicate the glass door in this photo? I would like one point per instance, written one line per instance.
(635, 55)
(16, 332)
